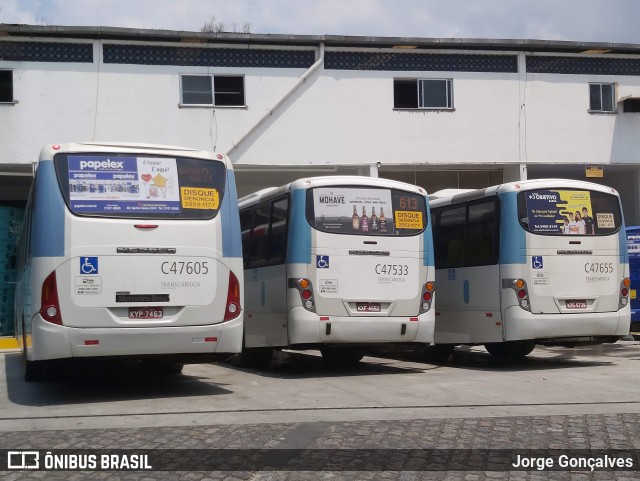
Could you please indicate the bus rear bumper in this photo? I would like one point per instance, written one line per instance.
(51, 341)
(306, 328)
(522, 325)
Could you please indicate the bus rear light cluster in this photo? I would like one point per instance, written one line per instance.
(522, 292)
(49, 305)
(306, 293)
(428, 290)
(233, 308)
(624, 291)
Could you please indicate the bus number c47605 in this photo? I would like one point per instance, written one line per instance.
(392, 269)
(189, 268)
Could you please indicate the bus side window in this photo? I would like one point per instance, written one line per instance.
(451, 239)
(260, 233)
(246, 216)
(480, 237)
(278, 235)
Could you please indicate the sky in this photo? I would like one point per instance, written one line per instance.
(573, 20)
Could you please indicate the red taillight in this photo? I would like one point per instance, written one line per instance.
(306, 294)
(522, 293)
(624, 292)
(49, 305)
(427, 296)
(233, 298)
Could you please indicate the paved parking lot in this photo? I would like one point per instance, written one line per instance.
(585, 398)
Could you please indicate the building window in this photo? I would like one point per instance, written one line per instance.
(422, 94)
(602, 97)
(219, 90)
(6, 86)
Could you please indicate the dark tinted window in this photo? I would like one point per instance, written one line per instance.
(405, 94)
(229, 91)
(141, 186)
(264, 233)
(569, 212)
(6, 86)
(467, 235)
(363, 210)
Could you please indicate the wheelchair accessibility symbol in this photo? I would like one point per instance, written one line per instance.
(322, 262)
(88, 265)
(536, 262)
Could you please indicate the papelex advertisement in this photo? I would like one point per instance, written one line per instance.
(101, 184)
(560, 212)
(352, 210)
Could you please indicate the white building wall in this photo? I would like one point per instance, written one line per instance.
(347, 117)
(560, 129)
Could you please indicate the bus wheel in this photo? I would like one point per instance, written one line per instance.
(341, 355)
(437, 352)
(256, 357)
(510, 349)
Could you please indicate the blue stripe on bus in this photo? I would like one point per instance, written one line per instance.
(513, 240)
(299, 238)
(47, 235)
(230, 217)
(427, 255)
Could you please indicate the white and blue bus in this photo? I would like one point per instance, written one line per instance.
(129, 250)
(539, 261)
(336, 263)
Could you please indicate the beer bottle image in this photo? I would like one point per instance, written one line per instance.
(383, 221)
(374, 219)
(355, 220)
(364, 221)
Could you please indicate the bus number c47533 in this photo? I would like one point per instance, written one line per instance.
(598, 267)
(392, 269)
(189, 268)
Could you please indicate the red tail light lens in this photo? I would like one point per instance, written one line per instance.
(49, 305)
(306, 294)
(233, 298)
(427, 296)
(522, 293)
(624, 292)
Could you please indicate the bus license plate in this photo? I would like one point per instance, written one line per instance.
(368, 307)
(576, 304)
(145, 313)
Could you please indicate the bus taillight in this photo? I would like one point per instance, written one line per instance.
(522, 292)
(624, 291)
(306, 293)
(233, 298)
(428, 289)
(49, 305)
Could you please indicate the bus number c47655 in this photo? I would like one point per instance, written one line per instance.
(392, 269)
(598, 267)
(188, 268)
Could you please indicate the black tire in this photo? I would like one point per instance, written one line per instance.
(255, 357)
(510, 349)
(437, 352)
(161, 367)
(341, 355)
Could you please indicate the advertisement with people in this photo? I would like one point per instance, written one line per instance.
(100, 184)
(562, 212)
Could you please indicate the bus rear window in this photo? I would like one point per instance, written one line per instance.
(141, 186)
(569, 212)
(370, 211)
